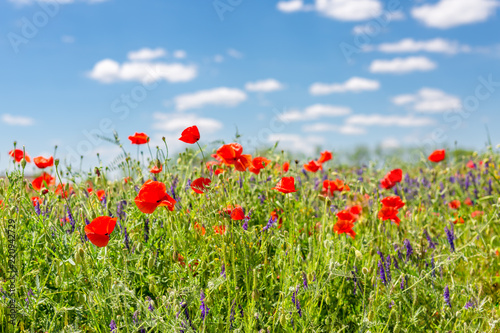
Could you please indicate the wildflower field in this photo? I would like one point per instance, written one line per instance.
(222, 241)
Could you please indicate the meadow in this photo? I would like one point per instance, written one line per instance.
(221, 241)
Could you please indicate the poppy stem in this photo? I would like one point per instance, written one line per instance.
(203, 155)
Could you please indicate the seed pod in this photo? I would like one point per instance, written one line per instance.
(151, 261)
(283, 320)
(78, 258)
(58, 281)
(358, 254)
(255, 295)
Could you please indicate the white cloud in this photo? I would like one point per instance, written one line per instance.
(296, 142)
(290, 6)
(364, 29)
(385, 120)
(234, 53)
(108, 71)
(429, 100)
(218, 58)
(349, 10)
(67, 39)
(354, 84)
(390, 143)
(342, 10)
(222, 96)
(180, 54)
(268, 85)
(452, 13)
(313, 112)
(407, 45)
(325, 127)
(172, 122)
(17, 120)
(146, 54)
(402, 65)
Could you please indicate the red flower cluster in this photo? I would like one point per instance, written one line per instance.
(391, 179)
(345, 223)
(332, 186)
(314, 166)
(390, 209)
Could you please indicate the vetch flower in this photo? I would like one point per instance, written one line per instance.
(451, 238)
(447, 296)
(203, 307)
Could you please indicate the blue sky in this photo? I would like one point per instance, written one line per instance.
(333, 73)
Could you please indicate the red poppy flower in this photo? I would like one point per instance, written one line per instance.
(63, 194)
(237, 214)
(331, 186)
(437, 156)
(100, 194)
(286, 166)
(345, 223)
(139, 138)
(190, 135)
(153, 194)
(459, 220)
(286, 185)
(455, 204)
(231, 154)
(325, 156)
(391, 179)
(45, 180)
(42, 162)
(34, 200)
(471, 165)
(156, 169)
(200, 228)
(17, 154)
(127, 179)
(219, 171)
(476, 213)
(199, 185)
(1, 203)
(258, 163)
(312, 166)
(468, 202)
(393, 201)
(99, 230)
(221, 230)
(274, 216)
(356, 210)
(389, 213)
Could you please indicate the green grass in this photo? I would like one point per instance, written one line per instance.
(77, 287)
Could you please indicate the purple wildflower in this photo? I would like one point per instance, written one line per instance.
(470, 304)
(112, 326)
(304, 280)
(146, 230)
(432, 245)
(447, 296)
(402, 285)
(409, 249)
(296, 302)
(433, 274)
(381, 272)
(203, 307)
(223, 270)
(451, 238)
(388, 267)
(126, 241)
(269, 224)
(37, 208)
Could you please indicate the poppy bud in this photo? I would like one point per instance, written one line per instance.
(358, 254)
(151, 262)
(255, 295)
(397, 328)
(58, 281)
(283, 320)
(78, 259)
(328, 299)
(45, 191)
(56, 162)
(365, 271)
(151, 288)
